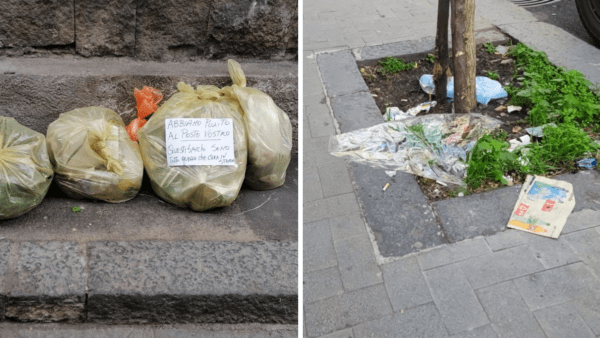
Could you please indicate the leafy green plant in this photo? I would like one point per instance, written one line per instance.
(552, 94)
(392, 65)
(430, 58)
(492, 75)
(489, 47)
(489, 160)
(560, 147)
(76, 209)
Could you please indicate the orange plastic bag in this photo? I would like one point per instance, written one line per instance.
(147, 101)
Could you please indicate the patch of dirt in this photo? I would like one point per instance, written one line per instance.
(403, 90)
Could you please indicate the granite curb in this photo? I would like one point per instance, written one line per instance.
(149, 282)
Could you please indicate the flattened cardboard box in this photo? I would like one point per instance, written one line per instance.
(543, 206)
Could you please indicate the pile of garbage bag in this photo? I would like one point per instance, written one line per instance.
(25, 169)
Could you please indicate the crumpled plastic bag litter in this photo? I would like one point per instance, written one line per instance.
(147, 100)
(93, 156)
(486, 89)
(199, 187)
(395, 114)
(438, 152)
(269, 133)
(25, 169)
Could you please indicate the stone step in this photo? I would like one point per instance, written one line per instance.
(36, 90)
(14, 330)
(146, 261)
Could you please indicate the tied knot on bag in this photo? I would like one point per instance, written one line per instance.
(101, 148)
(147, 101)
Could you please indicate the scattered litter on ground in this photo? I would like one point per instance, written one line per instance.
(486, 89)
(516, 129)
(538, 131)
(501, 108)
(386, 186)
(434, 146)
(587, 163)
(390, 173)
(395, 114)
(501, 49)
(543, 206)
(511, 109)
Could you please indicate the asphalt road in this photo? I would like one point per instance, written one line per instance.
(562, 14)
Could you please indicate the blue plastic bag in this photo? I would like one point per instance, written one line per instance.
(486, 89)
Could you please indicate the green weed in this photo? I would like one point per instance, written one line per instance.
(489, 160)
(392, 65)
(489, 47)
(492, 75)
(430, 58)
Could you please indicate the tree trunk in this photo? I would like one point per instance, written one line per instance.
(440, 70)
(463, 49)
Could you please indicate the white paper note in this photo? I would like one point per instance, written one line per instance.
(199, 142)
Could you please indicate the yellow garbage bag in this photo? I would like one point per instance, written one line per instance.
(199, 187)
(93, 156)
(269, 133)
(25, 170)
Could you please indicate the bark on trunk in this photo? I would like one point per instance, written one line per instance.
(440, 69)
(463, 49)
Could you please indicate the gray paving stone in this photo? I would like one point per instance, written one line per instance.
(351, 308)
(509, 238)
(581, 220)
(479, 214)
(49, 275)
(347, 333)
(584, 242)
(480, 332)
(405, 284)
(323, 317)
(422, 321)
(312, 184)
(319, 252)
(357, 263)
(560, 285)
(508, 312)
(563, 321)
(400, 217)
(501, 12)
(500, 266)
(552, 252)
(347, 226)
(192, 282)
(402, 48)
(586, 183)
(355, 111)
(589, 309)
(331, 207)
(322, 284)
(316, 150)
(455, 299)
(321, 125)
(335, 179)
(586, 245)
(453, 253)
(339, 73)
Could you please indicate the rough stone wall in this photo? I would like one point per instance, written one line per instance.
(169, 30)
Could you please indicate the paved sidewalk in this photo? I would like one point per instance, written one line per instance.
(511, 284)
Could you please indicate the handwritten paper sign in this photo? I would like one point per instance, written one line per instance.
(199, 142)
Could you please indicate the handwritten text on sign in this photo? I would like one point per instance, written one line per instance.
(199, 142)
